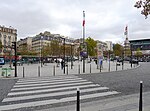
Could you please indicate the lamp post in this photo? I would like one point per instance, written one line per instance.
(41, 49)
(71, 56)
(63, 52)
(83, 39)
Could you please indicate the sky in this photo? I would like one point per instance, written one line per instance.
(105, 20)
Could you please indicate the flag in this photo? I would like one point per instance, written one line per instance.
(126, 30)
(83, 19)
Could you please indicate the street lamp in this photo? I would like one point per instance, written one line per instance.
(71, 56)
(41, 49)
(64, 52)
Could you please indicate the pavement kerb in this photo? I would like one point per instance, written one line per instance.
(110, 71)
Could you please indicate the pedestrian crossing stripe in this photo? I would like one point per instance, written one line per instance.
(27, 94)
(47, 80)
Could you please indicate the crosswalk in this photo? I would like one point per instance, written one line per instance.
(35, 92)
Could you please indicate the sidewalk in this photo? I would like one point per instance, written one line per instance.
(50, 69)
(124, 103)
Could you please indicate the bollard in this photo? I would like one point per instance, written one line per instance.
(100, 68)
(54, 71)
(79, 68)
(67, 69)
(116, 66)
(90, 68)
(38, 71)
(78, 99)
(23, 72)
(140, 100)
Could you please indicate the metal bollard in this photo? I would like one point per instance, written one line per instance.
(140, 100)
(90, 68)
(116, 66)
(78, 99)
(67, 69)
(79, 68)
(100, 67)
(54, 71)
(23, 72)
(38, 71)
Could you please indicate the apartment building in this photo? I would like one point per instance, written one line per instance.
(7, 36)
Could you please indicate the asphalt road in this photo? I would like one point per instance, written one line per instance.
(127, 82)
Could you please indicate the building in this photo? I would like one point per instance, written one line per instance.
(27, 42)
(7, 36)
(142, 45)
(44, 39)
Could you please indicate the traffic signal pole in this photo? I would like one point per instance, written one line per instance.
(15, 49)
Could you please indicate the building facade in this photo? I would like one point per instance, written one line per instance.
(27, 42)
(142, 45)
(7, 36)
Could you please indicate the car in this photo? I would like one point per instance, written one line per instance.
(134, 61)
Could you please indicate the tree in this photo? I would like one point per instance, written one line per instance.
(138, 53)
(91, 45)
(145, 4)
(118, 49)
(55, 48)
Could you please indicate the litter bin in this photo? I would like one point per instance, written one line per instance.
(6, 72)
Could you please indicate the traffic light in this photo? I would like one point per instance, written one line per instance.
(14, 45)
(15, 64)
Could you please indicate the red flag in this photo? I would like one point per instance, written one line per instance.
(83, 19)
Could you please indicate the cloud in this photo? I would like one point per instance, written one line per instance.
(105, 19)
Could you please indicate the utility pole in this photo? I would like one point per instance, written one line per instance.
(83, 40)
(15, 64)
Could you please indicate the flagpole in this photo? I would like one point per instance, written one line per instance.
(83, 39)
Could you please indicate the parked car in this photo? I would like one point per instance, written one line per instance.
(134, 61)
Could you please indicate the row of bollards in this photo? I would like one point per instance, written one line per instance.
(140, 98)
(54, 70)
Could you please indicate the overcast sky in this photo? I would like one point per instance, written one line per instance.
(104, 19)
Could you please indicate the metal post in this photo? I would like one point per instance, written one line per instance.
(100, 67)
(78, 99)
(15, 49)
(131, 55)
(71, 57)
(23, 72)
(38, 71)
(83, 40)
(90, 68)
(67, 69)
(64, 55)
(140, 100)
(122, 60)
(79, 68)
(116, 65)
(109, 61)
(54, 71)
(41, 51)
